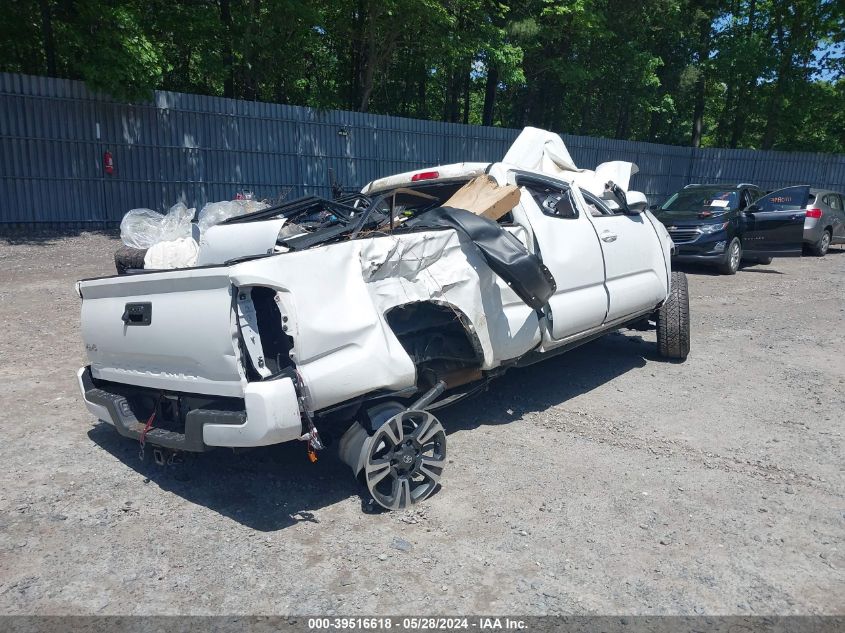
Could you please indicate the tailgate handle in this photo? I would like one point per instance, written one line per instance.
(138, 313)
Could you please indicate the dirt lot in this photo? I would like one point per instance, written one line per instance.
(602, 481)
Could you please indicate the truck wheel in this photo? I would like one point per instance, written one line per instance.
(126, 258)
(821, 247)
(402, 461)
(733, 256)
(673, 324)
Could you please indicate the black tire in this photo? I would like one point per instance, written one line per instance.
(821, 247)
(733, 257)
(764, 260)
(673, 323)
(126, 258)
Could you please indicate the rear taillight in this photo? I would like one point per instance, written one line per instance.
(814, 213)
(425, 175)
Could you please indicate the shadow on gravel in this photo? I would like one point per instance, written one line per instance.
(266, 489)
(552, 382)
(712, 271)
(696, 269)
(42, 237)
(274, 487)
(767, 271)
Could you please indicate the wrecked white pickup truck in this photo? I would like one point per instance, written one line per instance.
(365, 314)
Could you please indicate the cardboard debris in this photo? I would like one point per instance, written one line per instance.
(484, 197)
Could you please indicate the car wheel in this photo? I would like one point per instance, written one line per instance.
(401, 462)
(764, 260)
(673, 323)
(733, 256)
(127, 258)
(821, 247)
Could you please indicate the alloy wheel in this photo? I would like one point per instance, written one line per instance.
(405, 459)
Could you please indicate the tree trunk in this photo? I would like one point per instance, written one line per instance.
(467, 84)
(369, 71)
(745, 87)
(228, 57)
(249, 78)
(701, 82)
(47, 37)
(490, 95)
(775, 107)
(623, 121)
(422, 97)
(356, 55)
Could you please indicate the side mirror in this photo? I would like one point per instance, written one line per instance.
(637, 202)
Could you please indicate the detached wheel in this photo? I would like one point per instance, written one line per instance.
(126, 258)
(733, 256)
(673, 323)
(402, 461)
(821, 247)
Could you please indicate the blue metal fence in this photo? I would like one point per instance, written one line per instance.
(54, 133)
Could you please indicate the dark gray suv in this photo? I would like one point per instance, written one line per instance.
(722, 224)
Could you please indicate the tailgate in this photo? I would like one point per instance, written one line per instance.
(172, 330)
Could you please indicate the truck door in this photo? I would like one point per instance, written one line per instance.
(633, 259)
(774, 225)
(569, 247)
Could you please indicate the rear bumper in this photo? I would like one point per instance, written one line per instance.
(267, 414)
(813, 229)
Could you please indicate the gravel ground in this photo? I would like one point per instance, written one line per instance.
(602, 481)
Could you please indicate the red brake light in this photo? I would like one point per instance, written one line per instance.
(814, 213)
(425, 175)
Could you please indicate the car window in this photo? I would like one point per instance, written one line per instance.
(701, 200)
(555, 201)
(595, 205)
(784, 199)
(834, 202)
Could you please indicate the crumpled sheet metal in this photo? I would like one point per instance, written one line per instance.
(447, 268)
(540, 150)
(342, 330)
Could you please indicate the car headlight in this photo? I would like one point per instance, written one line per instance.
(713, 228)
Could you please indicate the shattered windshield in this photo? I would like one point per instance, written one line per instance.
(701, 202)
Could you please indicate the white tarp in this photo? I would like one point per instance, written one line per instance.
(540, 150)
(169, 254)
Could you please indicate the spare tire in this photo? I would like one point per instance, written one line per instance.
(127, 258)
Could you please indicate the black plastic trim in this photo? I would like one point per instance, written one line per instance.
(128, 424)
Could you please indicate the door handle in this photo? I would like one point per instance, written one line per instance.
(607, 236)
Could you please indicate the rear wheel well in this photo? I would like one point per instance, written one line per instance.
(440, 340)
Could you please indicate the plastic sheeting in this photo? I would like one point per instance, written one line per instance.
(540, 150)
(141, 228)
(179, 253)
(216, 212)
